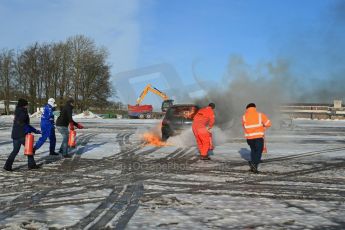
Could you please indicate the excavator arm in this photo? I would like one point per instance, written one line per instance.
(159, 93)
(153, 90)
(143, 94)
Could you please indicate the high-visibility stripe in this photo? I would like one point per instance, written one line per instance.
(253, 134)
(253, 126)
(259, 124)
(267, 122)
(244, 118)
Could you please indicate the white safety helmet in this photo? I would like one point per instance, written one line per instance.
(51, 102)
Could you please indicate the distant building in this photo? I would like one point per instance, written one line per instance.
(315, 110)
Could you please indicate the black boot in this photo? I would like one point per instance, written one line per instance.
(34, 167)
(253, 167)
(8, 165)
(8, 169)
(53, 153)
(207, 158)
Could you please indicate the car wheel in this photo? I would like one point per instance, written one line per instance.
(148, 116)
(141, 116)
(165, 136)
(166, 133)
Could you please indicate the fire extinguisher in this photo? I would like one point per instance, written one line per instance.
(210, 151)
(265, 148)
(29, 144)
(264, 151)
(72, 139)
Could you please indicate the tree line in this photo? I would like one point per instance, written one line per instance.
(74, 68)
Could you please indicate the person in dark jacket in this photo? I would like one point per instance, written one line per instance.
(63, 121)
(48, 127)
(21, 127)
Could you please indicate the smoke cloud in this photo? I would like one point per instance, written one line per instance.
(312, 70)
(268, 85)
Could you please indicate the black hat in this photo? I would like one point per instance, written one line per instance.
(212, 105)
(251, 105)
(70, 101)
(22, 102)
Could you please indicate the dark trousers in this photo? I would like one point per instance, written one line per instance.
(16, 147)
(256, 147)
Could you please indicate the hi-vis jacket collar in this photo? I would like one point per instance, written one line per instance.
(251, 109)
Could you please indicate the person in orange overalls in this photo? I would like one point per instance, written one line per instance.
(203, 122)
(254, 124)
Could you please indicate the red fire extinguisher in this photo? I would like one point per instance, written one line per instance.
(29, 144)
(72, 139)
(210, 151)
(265, 148)
(264, 151)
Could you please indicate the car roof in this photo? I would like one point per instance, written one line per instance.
(183, 105)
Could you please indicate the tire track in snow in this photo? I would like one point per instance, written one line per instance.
(20, 205)
(6, 142)
(306, 154)
(23, 202)
(127, 203)
(99, 211)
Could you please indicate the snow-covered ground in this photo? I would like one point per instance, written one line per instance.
(116, 181)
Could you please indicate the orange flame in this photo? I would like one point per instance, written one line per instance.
(153, 139)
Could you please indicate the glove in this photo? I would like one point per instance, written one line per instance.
(30, 129)
(38, 131)
(71, 126)
(80, 126)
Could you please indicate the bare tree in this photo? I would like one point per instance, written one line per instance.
(62, 73)
(90, 72)
(75, 68)
(80, 47)
(6, 75)
(29, 69)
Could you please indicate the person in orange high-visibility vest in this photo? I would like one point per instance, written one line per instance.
(203, 122)
(254, 124)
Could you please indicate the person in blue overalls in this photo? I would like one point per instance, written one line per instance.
(48, 127)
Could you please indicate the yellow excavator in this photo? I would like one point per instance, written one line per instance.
(145, 111)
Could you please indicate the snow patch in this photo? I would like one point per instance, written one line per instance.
(67, 215)
(87, 115)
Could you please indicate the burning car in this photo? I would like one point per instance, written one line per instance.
(178, 118)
